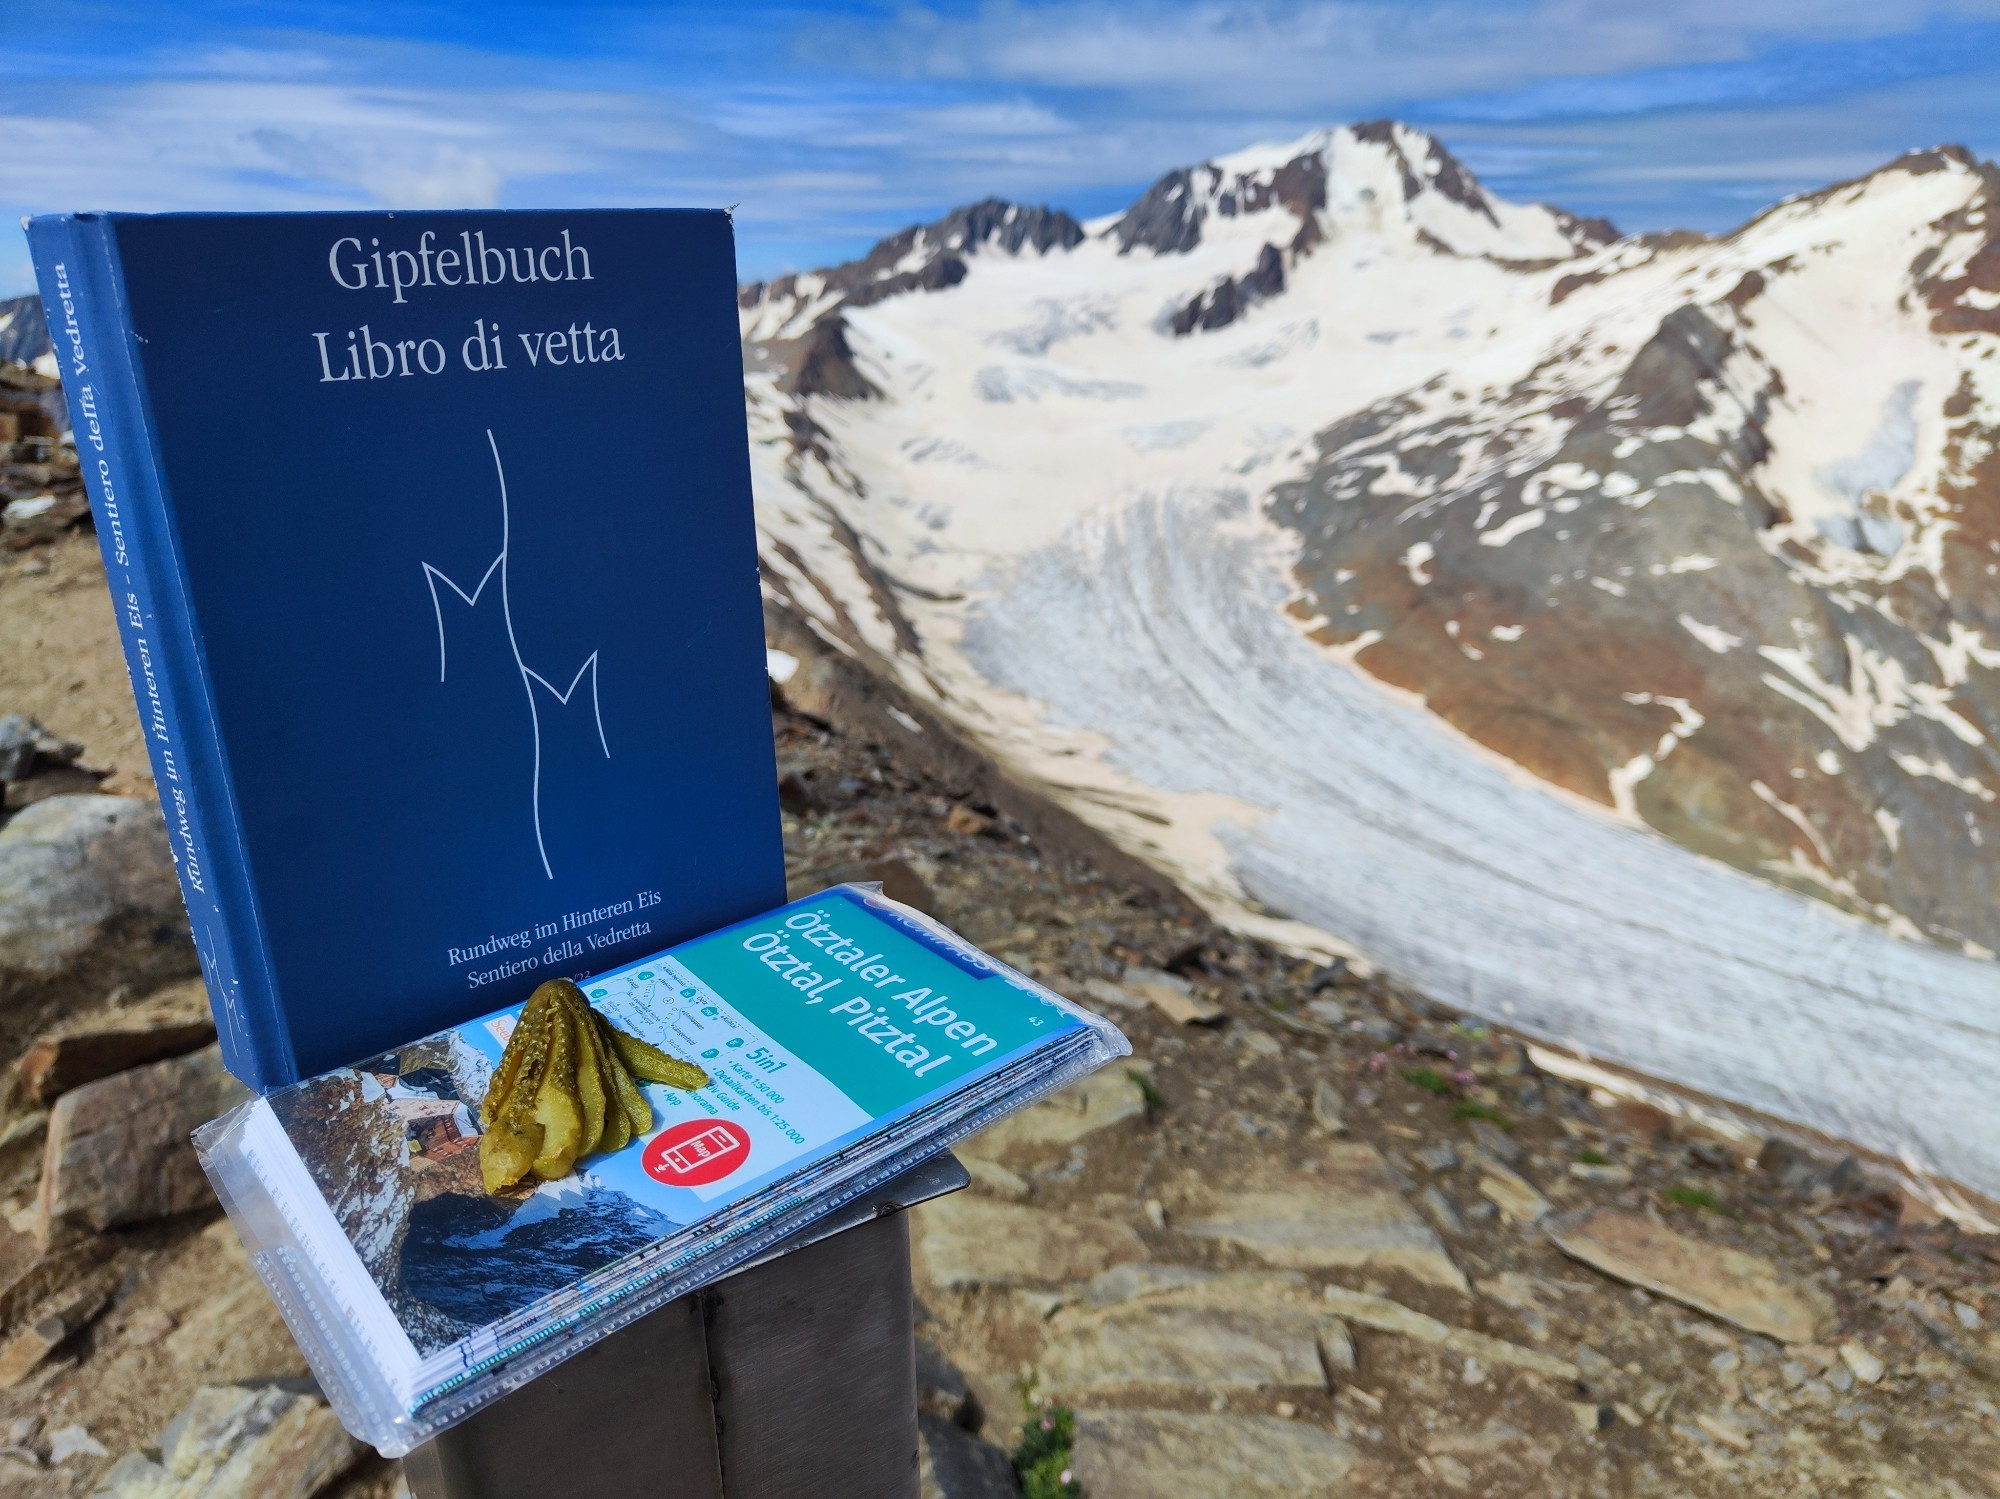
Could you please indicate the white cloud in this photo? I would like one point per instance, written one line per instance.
(1364, 54)
(856, 127)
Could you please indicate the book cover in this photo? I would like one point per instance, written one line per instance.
(828, 1025)
(431, 540)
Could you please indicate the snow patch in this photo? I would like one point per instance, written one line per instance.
(1511, 527)
(1714, 637)
(1417, 561)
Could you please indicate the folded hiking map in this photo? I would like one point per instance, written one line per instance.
(845, 1038)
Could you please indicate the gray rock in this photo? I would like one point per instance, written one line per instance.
(1163, 1342)
(1729, 1284)
(74, 1440)
(1349, 1216)
(1383, 1315)
(1129, 1282)
(1443, 1208)
(1513, 1194)
(1336, 1348)
(48, 1326)
(1496, 1142)
(1173, 996)
(1106, 1098)
(954, 1464)
(1797, 1167)
(1438, 1158)
(118, 1151)
(25, 745)
(963, 1241)
(1329, 1112)
(88, 900)
(1864, 1365)
(238, 1442)
(168, 1024)
(1176, 1455)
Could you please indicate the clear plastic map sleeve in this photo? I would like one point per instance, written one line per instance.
(845, 1037)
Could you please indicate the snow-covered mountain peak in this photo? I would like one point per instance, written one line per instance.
(1377, 178)
(1698, 537)
(923, 257)
(1232, 232)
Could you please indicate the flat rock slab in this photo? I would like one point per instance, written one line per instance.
(48, 1326)
(1350, 1216)
(118, 1149)
(1162, 1341)
(1108, 1097)
(1383, 1315)
(168, 1024)
(1173, 996)
(964, 1241)
(238, 1442)
(1189, 1283)
(1513, 1194)
(1742, 1289)
(1177, 1455)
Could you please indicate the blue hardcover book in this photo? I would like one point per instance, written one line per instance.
(431, 544)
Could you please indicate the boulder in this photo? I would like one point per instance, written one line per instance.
(118, 1150)
(1350, 1216)
(1729, 1284)
(238, 1442)
(964, 1241)
(88, 900)
(1132, 1454)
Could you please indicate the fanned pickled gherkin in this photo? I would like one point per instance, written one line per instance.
(655, 1066)
(513, 1138)
(558, 1108)
(527, 1047)
(638, 1113)
(590, 1090)
(564, 1089)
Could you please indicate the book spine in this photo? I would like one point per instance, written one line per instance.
(76, 268)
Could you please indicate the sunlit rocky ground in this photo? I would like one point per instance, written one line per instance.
(1315, 1237)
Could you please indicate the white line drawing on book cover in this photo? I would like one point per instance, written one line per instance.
(529, 676)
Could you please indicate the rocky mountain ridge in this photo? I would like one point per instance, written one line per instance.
(24, 331)
(1697, 533)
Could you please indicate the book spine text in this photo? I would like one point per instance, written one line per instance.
(76, 276)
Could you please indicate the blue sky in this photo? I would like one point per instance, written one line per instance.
(830, 125)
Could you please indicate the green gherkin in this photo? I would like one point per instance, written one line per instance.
(589, 1076)
(525, 1049)
(638, 1113)
(654, 1065)
(558, 1108)
(564, 1089)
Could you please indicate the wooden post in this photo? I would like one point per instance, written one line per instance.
(794, 1375)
